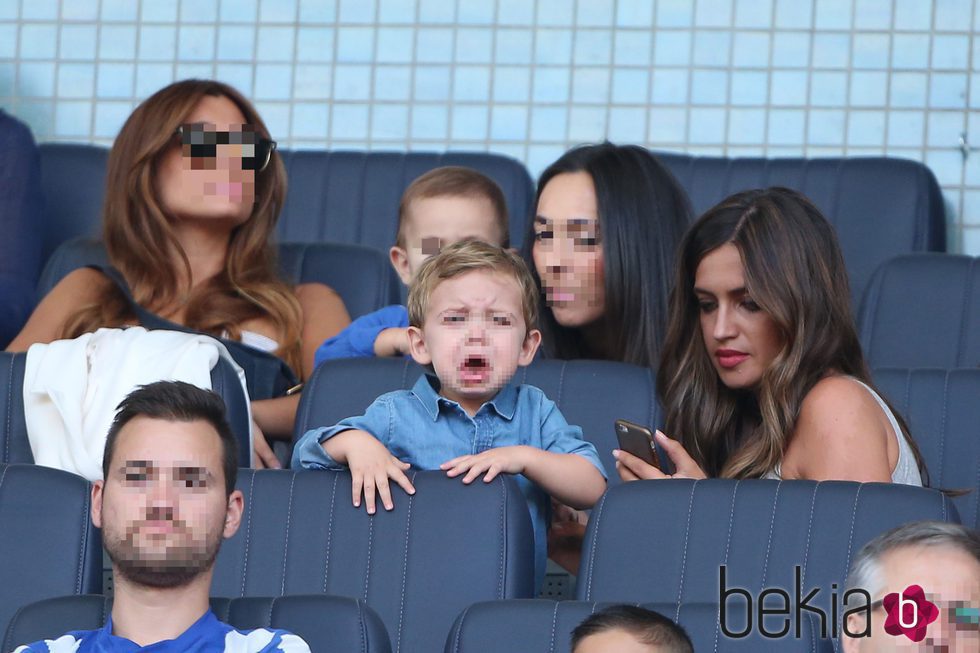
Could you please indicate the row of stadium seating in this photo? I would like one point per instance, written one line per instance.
(450, 546)
(941, 407)
(881, 207)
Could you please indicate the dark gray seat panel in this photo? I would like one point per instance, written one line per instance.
(544, 625)
(346, 197)
(942, 410)
(590, 394)
(73, 184)
(880, 207)
(362, 276)
(48, 546)
(352, 197)
(417, 566)
(326, 623)
(760, 530)
(923, 310)
(15, 446)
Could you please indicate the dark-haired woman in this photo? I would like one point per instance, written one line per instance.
(607, 222)
(762, 375)
(193, 191)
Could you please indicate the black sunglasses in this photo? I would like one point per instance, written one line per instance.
(201, 142)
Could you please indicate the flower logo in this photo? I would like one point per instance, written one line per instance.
(909, 614)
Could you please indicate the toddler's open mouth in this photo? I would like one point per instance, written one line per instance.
(474, 369)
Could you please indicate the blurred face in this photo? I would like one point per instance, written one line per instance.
(162, 509)
(202, 177)
(615, 641)
(741, 339)
(435, 222)
(567, 249)
(950, 579)
(474, 336)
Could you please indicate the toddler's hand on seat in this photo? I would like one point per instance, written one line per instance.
(507, 460)
(371, 465)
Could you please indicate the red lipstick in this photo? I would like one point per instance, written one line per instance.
(730, 358)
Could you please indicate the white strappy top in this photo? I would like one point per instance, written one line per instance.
(906, 471)
(259, 341)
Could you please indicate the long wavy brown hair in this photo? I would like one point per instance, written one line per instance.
(795, 272)
(141, 243)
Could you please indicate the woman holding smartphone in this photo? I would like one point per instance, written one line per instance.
(762, 374)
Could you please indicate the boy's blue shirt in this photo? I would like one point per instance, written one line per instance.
(420, 427)
(357, 340)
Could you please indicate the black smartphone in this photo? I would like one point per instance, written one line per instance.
(637, 440)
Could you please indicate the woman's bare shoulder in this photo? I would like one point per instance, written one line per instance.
(79, 288)
(836, 393)
(839, 433)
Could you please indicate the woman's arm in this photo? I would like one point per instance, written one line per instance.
(841, 434)
(324, 316)
(79, 288)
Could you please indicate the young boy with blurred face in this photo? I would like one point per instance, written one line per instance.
(472, 310)
(442, 207)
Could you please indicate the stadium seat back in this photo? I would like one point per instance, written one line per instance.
(942, 410)
(362, 277)
(544, 625)
(343, 197)
(353, 197)
(923, 310)
(418, 566)
(880, 207)
(48, 546)
(590, 394)
(684, 541)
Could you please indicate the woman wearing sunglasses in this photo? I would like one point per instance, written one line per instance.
(193, 191)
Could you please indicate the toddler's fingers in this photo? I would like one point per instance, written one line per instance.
(357, 482)
(454, 462)
(491, 473)
(474, 472)
(384, 492)
(398, 477)
(369, 492)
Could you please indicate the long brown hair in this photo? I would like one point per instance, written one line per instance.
(141, 243)
(795, 272)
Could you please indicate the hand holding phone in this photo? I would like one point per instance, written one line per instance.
(637, 440)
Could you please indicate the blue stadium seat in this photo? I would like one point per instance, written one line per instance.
(362, 277)
(48, 546)
(16, 448)
(669, 540)
(942, 409)
(923, 310)
(73, 184)
(327, 623)
(21, 205)
(543, 625)
(352, 197)
(590, 394)
(417, 566)
(343, 197)
(881, 207)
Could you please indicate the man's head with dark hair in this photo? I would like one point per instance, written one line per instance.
(176, 401)
(168, 494)
(629, 629)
